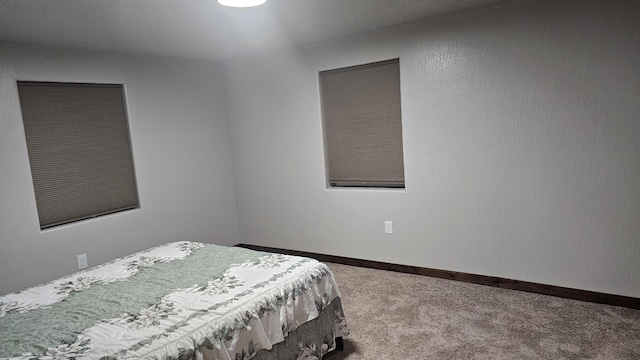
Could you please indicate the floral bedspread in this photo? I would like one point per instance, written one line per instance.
(182, 300)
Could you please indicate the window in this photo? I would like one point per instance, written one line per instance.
(363, 125)
(78, 143)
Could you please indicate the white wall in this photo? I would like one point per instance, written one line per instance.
(180, 148)
(521, 127)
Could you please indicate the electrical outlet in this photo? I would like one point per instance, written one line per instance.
(388, 227)
(82, 261)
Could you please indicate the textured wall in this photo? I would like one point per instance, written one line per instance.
(521, 143)
(181, 153)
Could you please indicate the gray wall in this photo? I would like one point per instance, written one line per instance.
(180, 148)
(521, 139)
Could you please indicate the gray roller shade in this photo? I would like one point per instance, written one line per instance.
(79, 151)
(363, 125)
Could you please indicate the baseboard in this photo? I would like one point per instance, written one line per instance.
(569, 293)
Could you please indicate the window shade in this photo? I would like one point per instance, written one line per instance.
(79, 152)
(363, 125)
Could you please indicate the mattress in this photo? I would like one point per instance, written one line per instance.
(182, 300)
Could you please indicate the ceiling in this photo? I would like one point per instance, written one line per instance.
(203, 28)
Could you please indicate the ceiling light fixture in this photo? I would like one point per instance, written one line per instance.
(241, 3)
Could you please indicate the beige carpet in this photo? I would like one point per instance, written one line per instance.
(401, 316)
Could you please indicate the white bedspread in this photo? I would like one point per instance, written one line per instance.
(171, 302)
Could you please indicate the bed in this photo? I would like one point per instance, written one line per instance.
(182, 300)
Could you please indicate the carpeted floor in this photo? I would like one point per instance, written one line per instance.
(401, 316)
